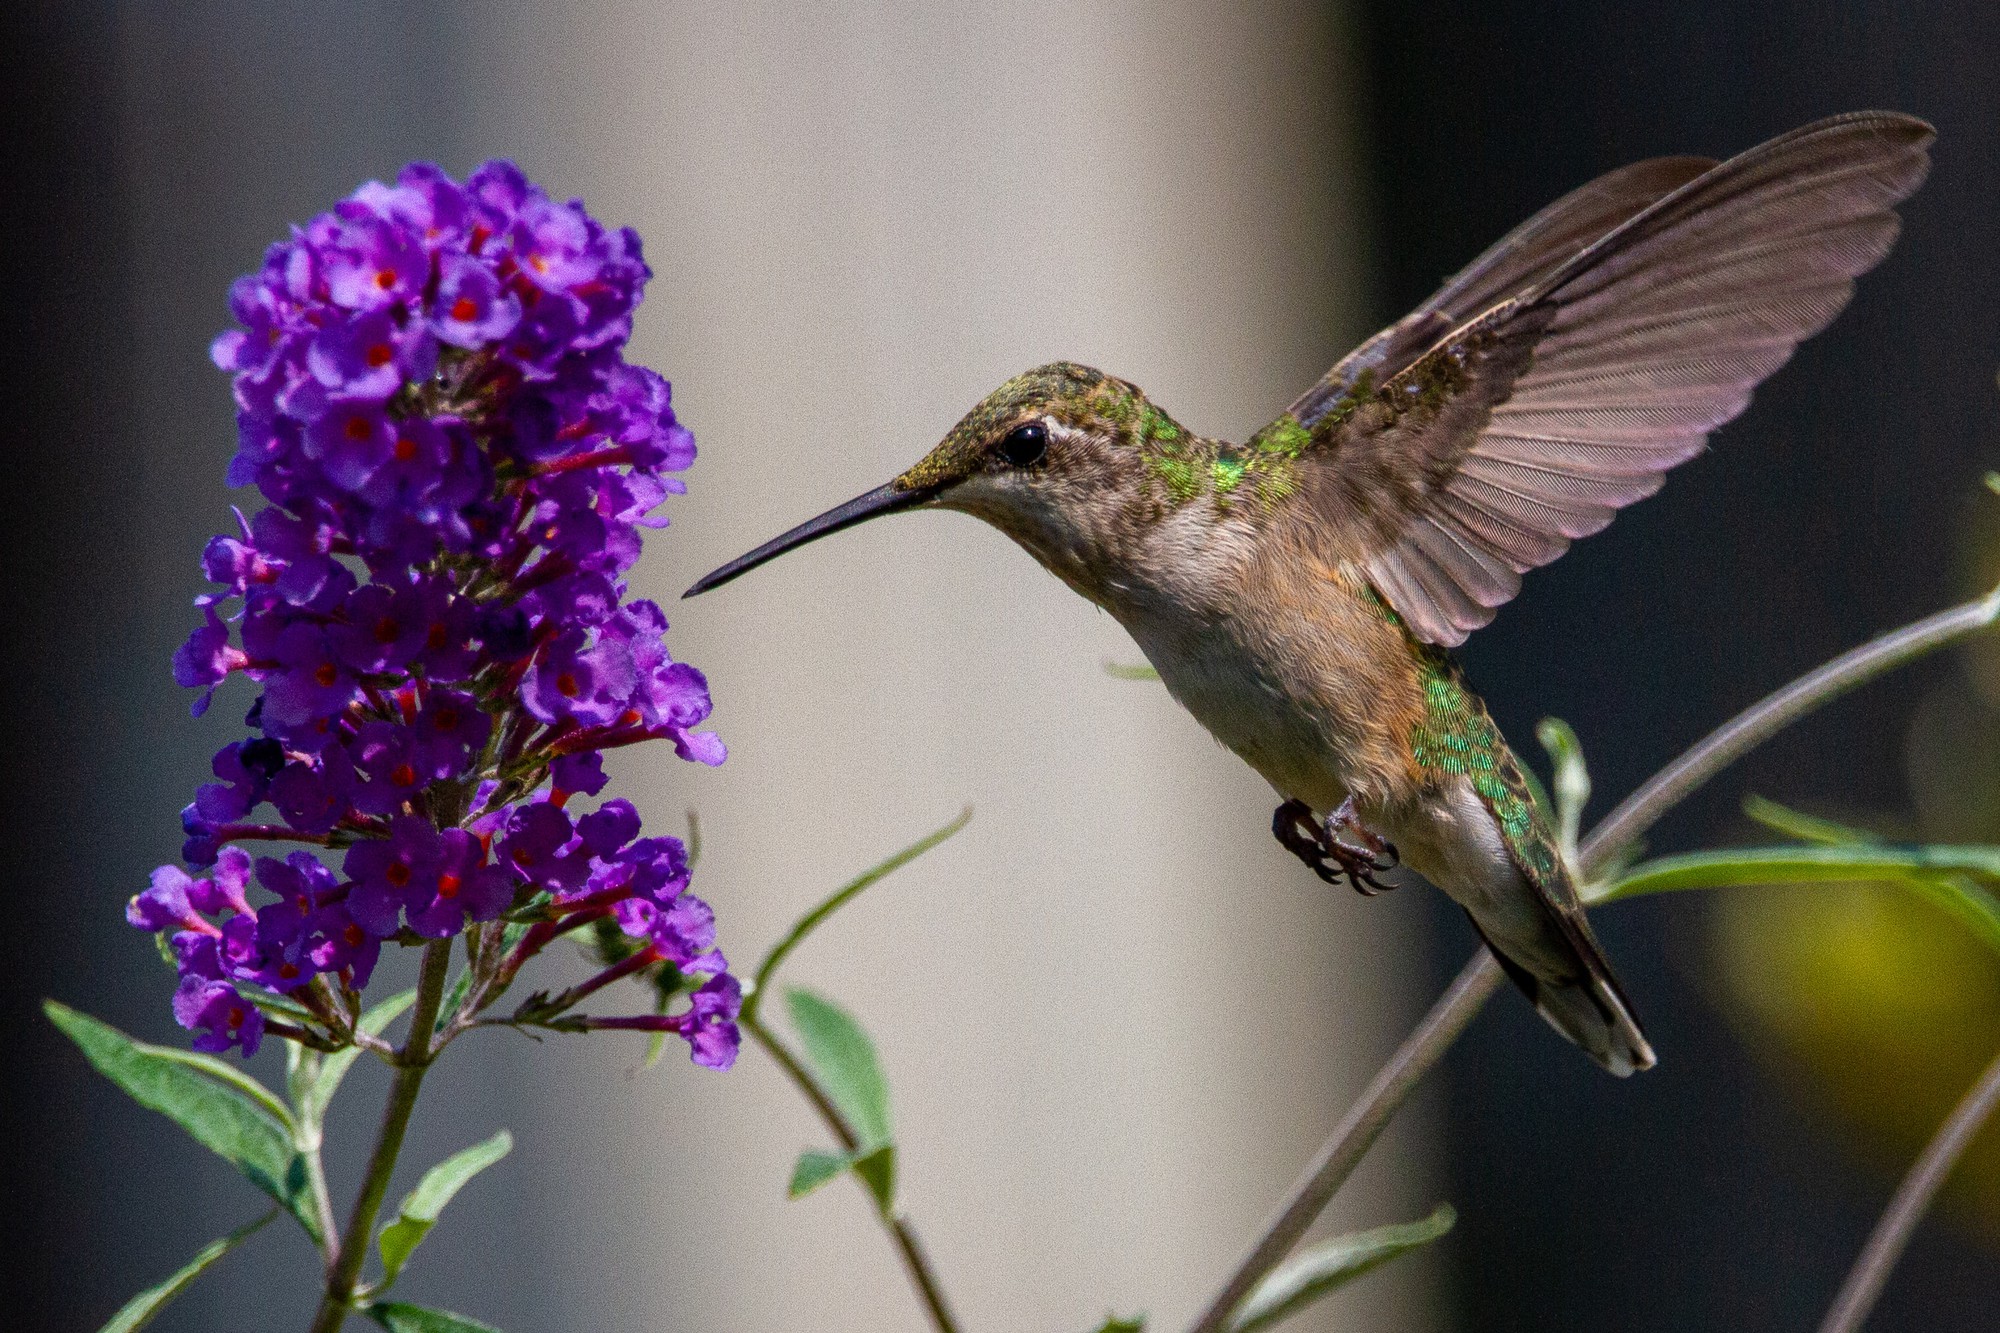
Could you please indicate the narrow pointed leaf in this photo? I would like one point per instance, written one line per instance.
(277, 1006)
(421, 1207)
(333, 1068)
(1130, 671)
(222, 1117)
(1798, 824)
(224, 1072)
(140, 1311)
(1324, 1268)
(753, 996)
(844, 1059)
(815, 1168)
(1804, 864)
(1953, 877)
(398, 1317)
(1136, 1324)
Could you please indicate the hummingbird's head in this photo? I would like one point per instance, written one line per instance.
(1049, 458)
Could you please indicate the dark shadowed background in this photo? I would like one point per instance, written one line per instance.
(1720, 1191)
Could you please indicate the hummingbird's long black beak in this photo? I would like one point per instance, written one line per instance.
(882, 500)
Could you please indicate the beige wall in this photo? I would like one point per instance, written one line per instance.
(1116, 1018)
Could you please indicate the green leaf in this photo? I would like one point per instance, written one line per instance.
(1572, 781)
(1797, 824)
(140, 1311)
(319, 1095)
(844, 1059)
(222, 1116)
(224, 1072)
(877, 1171)
(815, 1168)
(1113, 1324)
(1133, 671)
(400, 1318)
(753, 994)
(1947, 875)
(1325, 1267)
(420, 1208)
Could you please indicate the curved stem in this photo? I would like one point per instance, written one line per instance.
(760, 983)
(1892, 1232)
(1772, 714)
(1480, 977)
(344, 1263)
(915, 1262)
(1356, 1133)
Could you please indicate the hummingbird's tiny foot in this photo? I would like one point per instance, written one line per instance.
(1331, 857)
(1362, 852)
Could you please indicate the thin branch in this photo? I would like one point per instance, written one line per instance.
(1772, 714)
(1356, 1133)
(1480, 977)
(344, 1263)
(915, 1261)
(1892, 1232)
(804, 926)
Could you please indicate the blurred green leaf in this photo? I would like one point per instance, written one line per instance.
(333, 1068)
(844, 1059)
(400, 1318)
(1333, 1264)
(1572, 781)
(815, 1168)
(877, 1171)
(1136, 1324)
(753, 999)
(1797, 824)
(1947, 875)
(140, 1311)
(251, 1132)
(420, 1208)
(1131, 671)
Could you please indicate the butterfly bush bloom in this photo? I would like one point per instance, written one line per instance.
(458, 461)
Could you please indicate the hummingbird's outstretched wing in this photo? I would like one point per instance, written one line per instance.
(1560, 375)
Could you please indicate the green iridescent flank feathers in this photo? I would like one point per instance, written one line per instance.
(1456, 735)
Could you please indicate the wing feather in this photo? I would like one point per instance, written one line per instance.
(1559, 376)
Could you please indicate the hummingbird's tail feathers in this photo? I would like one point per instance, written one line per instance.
(1588, 1006)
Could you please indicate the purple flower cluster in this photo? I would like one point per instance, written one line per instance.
(458, 462)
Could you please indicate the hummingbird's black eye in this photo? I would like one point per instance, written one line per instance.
(1025, 445)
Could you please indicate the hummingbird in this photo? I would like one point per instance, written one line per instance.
(1300, 593)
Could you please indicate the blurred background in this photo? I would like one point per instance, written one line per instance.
(1116, 1018)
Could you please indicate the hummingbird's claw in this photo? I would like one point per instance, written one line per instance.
(1328, 854)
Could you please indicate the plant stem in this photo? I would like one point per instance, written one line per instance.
(915, 1261)
(1772, 714)
(1356, 1133)
(344, 1262)
(1892, 1232)
(805, 924)
(1480, 977)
